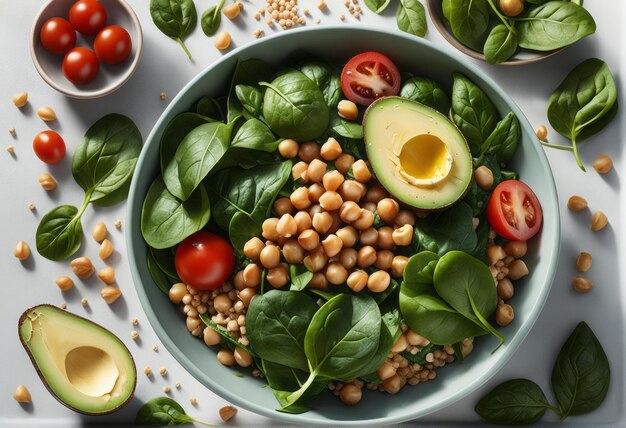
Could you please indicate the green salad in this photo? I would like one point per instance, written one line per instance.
(341, 228)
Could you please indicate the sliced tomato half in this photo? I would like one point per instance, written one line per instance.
(369, 76)
(514, 212)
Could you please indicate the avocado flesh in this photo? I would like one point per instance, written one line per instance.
(417, 153)
(82, 364)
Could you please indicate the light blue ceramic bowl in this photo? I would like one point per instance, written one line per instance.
(455, 381)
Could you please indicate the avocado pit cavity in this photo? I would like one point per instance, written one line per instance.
(91, 370)
(424, 160)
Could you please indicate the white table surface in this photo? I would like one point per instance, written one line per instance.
(164, 67)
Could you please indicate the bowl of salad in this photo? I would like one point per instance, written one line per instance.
(362, 236)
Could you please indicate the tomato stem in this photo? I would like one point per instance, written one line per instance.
(182, 44)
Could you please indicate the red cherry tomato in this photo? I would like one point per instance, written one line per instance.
(57, 36)
(88, 16)
(369, 76)
(204, 261)
(80, 65)
(113, 45)
(514, 212)
(49, 146)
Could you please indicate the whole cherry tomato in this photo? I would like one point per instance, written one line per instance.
(204, 261)
(113, 44)
(49, 146)
(88, 16)
(57, 36)
(80, 65)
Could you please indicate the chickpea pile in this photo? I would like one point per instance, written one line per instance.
(328, 224)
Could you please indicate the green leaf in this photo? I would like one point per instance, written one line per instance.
(105, 159)
(339, 127)
(284, 380)
(469, 21)
(504, 139)
(255, 135)
(251, 98)
(581, 374)
(411, 17)
(327, 77)
(167, 221)
(418, 273)
(211, 19)
(377, 6)
(554, 25)
(158, 276)
(175, 131)
(501, 45)
(248, 72)
(427, 92)
(164, 259)
(448, 230)
(175, 18)
(59, 233)
(210, 109)
(300, 277)
(514, 402)
(228, 339)
(162, 411)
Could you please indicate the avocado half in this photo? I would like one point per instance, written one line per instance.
(83, 365)
(417, 153)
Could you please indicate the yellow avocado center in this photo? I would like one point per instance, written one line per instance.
(91, 370)
(424, 160)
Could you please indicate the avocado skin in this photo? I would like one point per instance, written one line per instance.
(33, 360)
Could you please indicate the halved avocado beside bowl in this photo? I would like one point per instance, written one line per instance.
(83, 365)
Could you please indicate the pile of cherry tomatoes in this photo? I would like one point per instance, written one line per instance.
(81, 65)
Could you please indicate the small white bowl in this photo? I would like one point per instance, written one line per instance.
(110, 77)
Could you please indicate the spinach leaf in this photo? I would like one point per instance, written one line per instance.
(251, 98)
(411, 17)
(276, 324)
(211, 19)
(469, 21)
(176, 130)
(227, 338)
(195, 157)
(514, 402)
(449, 230)
(175, 18)
(504, 139)
(466, 284)
(584, 103)
(248, 72)
(426, 91)
(554, 25)
(482, 232)
(418, 273)
(300, 277)
(162, 411)
(164, 259)
(501, 44)
(390, 331)
(209, 108)
(377, 6)
(60, 232)
(420, 357)
(327, 77)
(156, 273)
(581, 373)
(339, 127)
(255, 135)
(167, 221)
(105, 159)
(284, 380)
(294, 107)
(472, 111)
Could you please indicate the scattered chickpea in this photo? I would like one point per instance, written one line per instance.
(99, 232)
(118, 224)
(227, 413)
(542, 132)
(32, 206)
(223, 40)
(162, 371)
(20, 99)
(107, 275)
(82, 267)
(231, 11)
(147, 371)
(342, 17)
(22, 395)
(582, 284)
(10, 149)
(483, 177)
(106, 249)
(193, 401)
(504, 315)
(511, 8)
(347, 110)
(599, 221)
(63, 306)
(321, 5)
(84, 302)
(64, 283)
(162, 95)
(226, 357)
(12, 131)
(46, 114)
(21, 250)
(166, 389)
(350, 394)
(576, 203)
(134, 321)
(583, 262)
(603, 164)
(134, 335)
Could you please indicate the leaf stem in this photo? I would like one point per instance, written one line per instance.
(578, 161)
(195, 421)
(295, 396)
(504, 20)
(182, 44)
(555, 146)
(484, 322)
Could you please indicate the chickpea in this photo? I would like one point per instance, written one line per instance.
(322, 222)
(542, 132)
(384, 259)
(298, 169)
(332, 245)
(368, 236)
(378, 281)
(349, 211)
(318, 281)
(226, 357)
(403, 236)
(315, 191)
(603, 164)
(516, 249)
(361, 171)
(316, 170)
(314, 209)
(278, 277)
(309, 239)
(242, 358)
(357, 280)
(246, 295)
(334, 227)
(370, 206)
(252, 248)
(269, 229)
(288, 148)
(365, 220)
(582, 284)
(238, 281)
(351, 190)
(495, 253)
(483, 177)
(283, 206)
(517, 270)
(270, 256)
(331, 200)
(350, 394)
(344, 162)
(347, 110)
(331, 149)
(405, 217)
(393, 384)
(177, 292)
(385, 238)
(584, 262)
(505, 289)
(222, 303)
(348, 236)
(211, 337)
(316, 260)
(504, 315)
(252, 275)
(223, 40)
(336, 274)
(309, 151)
(400, 345)
(576, 203)
(300, 198)
(398, 264)
(303, 220)
(348, 257)
(386, 371)
(286, 226)
(387, 209)
(366, 256)
(375, 194)
(332, 180)
(293, 252)
(599, 221)
(512, 8)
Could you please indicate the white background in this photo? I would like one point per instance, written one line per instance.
(164, 67)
